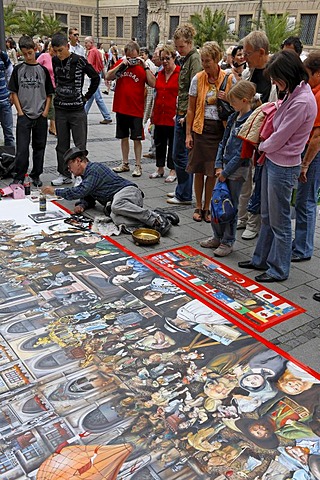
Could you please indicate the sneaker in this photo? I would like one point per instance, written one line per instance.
(241, 226)
(149, 155)
(36, 182)
(77, 181)
(249, 234)
(210, 243)
(176, 201)
(171, 194)
(61, 180)
(223, 250)
(137, 172)
(124, 167)
(105, 122)
(162, 225)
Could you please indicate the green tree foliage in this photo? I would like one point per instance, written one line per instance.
(50, 25)
(11, 19)
(210, 26)
(30, 24)
(277, 29)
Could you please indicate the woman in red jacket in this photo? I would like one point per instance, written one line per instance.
(164, 111)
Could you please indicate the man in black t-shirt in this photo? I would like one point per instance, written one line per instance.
(256, 54)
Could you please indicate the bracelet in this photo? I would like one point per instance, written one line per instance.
(304, 166)
(147, 68)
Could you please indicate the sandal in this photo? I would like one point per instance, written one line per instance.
(170, 179)
(197, 215)
(206, 214)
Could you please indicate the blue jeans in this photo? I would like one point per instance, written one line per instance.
(101, 105)
(226, 232)
(306, 211)
(7, 123)
(273, 249)
(180, 158)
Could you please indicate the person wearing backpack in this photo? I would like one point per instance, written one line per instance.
(232, 169)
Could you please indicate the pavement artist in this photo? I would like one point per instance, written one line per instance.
(101, 184)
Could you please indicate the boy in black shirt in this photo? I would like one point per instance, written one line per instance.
(69, 70)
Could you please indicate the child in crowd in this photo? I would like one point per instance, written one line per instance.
(31, 89)
(230, 166)
(69, 70)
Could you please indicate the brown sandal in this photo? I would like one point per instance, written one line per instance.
(197, 215)
(206, 214)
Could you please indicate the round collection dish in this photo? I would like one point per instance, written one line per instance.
(146, 236)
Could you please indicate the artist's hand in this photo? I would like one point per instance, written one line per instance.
(78, 209)
(47, 190)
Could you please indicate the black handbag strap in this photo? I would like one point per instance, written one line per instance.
(224, 82)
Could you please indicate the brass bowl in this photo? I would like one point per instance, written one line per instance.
(146, 236)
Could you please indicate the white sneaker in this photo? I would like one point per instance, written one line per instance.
(137, 172)
(175, 201)
(223, 250)
(61, 180)
(210, 243)
(77, 181)
(171, 194)
(249, 234)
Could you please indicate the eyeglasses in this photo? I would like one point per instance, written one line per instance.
(248, 54)
(165, 59)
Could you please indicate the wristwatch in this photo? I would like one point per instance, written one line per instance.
(147, 68)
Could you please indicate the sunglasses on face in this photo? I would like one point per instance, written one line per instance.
(165, 59)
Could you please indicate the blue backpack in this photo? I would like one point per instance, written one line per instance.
(222, 209)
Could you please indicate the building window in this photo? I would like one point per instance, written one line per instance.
(63, 19)
(119, 27)
(105, 26)
(245, 22)
(37, 13)
(86, 25)
(134, 27)
(308, 27)
(174, 22)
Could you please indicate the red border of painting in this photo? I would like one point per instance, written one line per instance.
(192, 293)
(257, 326)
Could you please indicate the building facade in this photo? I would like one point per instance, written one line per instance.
(108, 21)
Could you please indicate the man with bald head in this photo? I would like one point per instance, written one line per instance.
(95, 59)
(256, 54)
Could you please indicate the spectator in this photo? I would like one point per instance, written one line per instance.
(101, 184)
(309, 179)
(256, 54)
(226, 61)
(74, 44)
(238, 63)
(167, 85)
(6, 119)
(292, 124)
(45, 59)
(292, 43)
(69, 100)
(31, 89)
(11, 51)
(132, 75)
(95, 59)
(204, 129)
(191, 64)
(231, 166)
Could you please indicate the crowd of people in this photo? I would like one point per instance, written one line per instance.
(180, 92)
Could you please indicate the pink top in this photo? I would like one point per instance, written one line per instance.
(45, 60)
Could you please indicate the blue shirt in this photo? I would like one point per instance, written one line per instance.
(99, 183)
(5, 67)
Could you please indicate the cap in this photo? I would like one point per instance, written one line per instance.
(73, 153)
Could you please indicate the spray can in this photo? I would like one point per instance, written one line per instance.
(42, 202)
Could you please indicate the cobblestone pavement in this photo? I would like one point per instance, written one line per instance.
(300, 336)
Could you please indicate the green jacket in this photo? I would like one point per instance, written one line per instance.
(191, 66)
